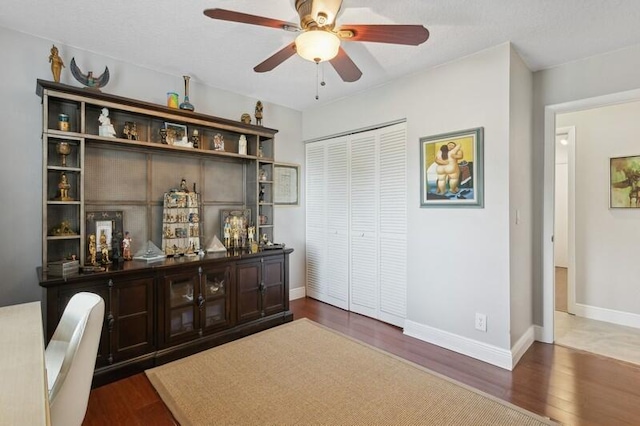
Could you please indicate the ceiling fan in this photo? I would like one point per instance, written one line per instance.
(319, 38)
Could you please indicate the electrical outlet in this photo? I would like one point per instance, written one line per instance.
(481, 322)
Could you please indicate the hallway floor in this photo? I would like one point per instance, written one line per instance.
(602, 338)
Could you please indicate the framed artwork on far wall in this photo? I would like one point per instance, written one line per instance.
(624, 182)
(451, 169)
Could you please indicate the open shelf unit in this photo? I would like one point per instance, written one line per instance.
(64, 199)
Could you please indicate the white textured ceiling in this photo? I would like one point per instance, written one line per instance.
(175, 37)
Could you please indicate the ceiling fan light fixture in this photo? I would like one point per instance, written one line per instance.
(317, 45)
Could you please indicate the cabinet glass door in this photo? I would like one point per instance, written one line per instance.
(216, 311)
(181, 305)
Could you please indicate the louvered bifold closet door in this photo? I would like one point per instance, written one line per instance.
(392, 184)
(363, 224)
(316, 227)
(337, 272)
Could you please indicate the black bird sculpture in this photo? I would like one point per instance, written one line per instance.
(89, 80)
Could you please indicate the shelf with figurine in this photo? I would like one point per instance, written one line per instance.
(104, 118)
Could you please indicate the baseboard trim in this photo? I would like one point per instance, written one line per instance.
(482, 351)
(297, 293)
(521, 346)
(608, 315)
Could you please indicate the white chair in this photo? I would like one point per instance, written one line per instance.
(70, 358)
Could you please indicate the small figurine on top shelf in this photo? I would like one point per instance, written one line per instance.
(106, 128)
(130, 130)
(56, 64)
(218, 142)
(246, 118)
(195, 138)
(259, 113)
(89, 80)
(242, 145)
(163, 136)
(126, 246)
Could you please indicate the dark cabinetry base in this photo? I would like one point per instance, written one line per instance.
(148, 306)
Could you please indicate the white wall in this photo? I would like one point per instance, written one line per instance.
(600, 75)
(607, 263)
(520, 194)
(21, 124)
(458, 258)
(561, 224)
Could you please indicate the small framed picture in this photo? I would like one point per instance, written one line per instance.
(176, 134)
(286, 179)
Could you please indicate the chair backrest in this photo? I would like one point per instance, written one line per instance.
(70, 358)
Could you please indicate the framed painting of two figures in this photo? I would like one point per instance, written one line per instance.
(451, 168)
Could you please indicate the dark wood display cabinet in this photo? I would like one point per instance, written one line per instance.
(162, 311)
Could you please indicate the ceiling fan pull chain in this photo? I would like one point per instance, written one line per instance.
(317, 96)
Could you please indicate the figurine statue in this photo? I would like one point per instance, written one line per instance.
(163, 136)
(130, 130)
(104, 248)
(63, 229)
(246, 118)
(195, 138)
(56, 64)
(64, 186)
(89, 80)
(251, 231)
(106, 128)
(116, 246)
(242, 145)
(183, 186)
(259, 113)
(227, 233)
(126, 246)
(218, 142)
(236, 236)
(92, 250)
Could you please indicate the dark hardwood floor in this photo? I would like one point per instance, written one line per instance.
(570, 386)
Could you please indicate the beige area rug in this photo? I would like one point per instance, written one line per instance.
(602, 338)
(303, 373)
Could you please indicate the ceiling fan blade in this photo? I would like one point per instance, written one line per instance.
(276, 59)
(244, 18)
(345, 67)
(396, 34)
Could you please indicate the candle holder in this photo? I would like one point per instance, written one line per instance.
(186, 104)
